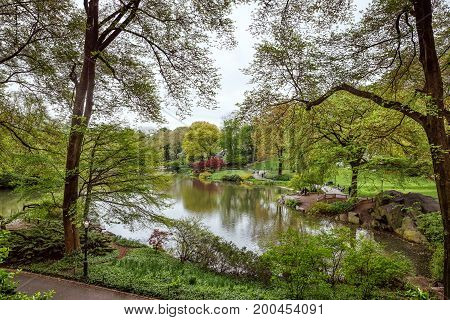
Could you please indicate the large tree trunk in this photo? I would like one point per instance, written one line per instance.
(434, 124)
(280, 162)
(441, 165)
(81, 114)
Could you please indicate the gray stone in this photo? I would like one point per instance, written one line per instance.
(353, 217)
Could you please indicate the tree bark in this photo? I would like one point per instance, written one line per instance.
(354, 182)
(441, 166)
(81, 114)
(280, 162)
(434, 124)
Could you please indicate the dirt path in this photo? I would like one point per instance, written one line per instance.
(69, 290)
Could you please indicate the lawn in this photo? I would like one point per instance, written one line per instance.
(371, 184)
(218, 175)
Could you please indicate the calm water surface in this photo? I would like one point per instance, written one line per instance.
(248, 216)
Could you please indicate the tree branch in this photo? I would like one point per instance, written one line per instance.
(389, 104)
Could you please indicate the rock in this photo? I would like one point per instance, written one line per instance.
(353, 217)
(343, 217)
(414, 236)
(408, 231)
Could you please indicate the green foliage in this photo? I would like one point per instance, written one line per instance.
(205, 175)
(236, 139)
(417, 294)
(313, 175)
(291, 203)
(157, 274)
(244, 174)
(194, 243)
(368, 268)
(232, 178)
(282, 177)
(298, 264)
(430, 225)
(437, 263)
(333, 265)
(7, 284)
(201, 140)
(39, 243)
(173, 166)
(333, 208)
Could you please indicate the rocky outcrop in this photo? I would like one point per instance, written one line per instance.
(392, 211)
(397, 212)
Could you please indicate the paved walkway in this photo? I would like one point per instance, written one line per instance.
(69, 290)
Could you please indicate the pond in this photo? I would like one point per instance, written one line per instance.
(251, 218)
(9, 203)
(248, 216)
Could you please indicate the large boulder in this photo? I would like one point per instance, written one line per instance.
(353, 217)
(396, 211)
(409, 231)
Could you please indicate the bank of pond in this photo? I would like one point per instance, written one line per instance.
(246, 246)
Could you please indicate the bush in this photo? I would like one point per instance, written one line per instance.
(7, 284)
(298, 264)
(430, 225)
(194, 243)
(158, 238)
(232, 178)
(368, 267)
(282, 177)
(291, 203)
(205, 175)
(437, 263)
(334, 208)
(40, 243)
(173, 166)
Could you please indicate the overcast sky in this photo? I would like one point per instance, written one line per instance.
(230, 63)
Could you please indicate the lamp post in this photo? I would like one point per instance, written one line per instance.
(85, 262)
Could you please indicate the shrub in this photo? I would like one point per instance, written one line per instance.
(232, 178)
(127, 242)
(298, 264)
(320, 208)
(158, 239)
(437, 263)
(205, 175)
(368, 267)
(173, 166)
(291, 203)
(40, 243)
(282, 177)
(334, 208)
(246, 176)
(194, 243)
(430, 225)
(7, 284)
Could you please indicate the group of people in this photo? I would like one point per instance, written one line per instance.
(261, 173)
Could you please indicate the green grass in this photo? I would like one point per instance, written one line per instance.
(370, 184)
(155, 274)
(217, 176)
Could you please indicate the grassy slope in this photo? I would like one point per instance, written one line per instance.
(371, 184)
(144, 271)
(217, 176)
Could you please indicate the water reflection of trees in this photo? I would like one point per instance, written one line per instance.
(235, 205)
(254, 211)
